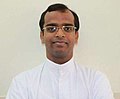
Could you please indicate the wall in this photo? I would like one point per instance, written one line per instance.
(98, 47)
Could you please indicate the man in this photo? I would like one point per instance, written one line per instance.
(60, 77)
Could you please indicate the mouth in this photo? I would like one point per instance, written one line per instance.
(60, 43)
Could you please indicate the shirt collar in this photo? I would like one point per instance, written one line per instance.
(60, 68)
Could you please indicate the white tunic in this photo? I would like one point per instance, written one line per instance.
(55, 81)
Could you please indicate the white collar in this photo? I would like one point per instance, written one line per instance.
(60, 68)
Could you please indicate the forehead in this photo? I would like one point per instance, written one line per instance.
(57, 17)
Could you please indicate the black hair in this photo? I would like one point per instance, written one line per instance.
(58, 7)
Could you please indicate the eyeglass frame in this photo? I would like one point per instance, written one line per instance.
(62, 28)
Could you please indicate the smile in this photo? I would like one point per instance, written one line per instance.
(60, 43)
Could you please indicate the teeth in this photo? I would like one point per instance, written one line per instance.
(60, 42)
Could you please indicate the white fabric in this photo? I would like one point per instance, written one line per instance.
(54, 81)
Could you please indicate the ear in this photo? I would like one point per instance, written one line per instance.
(42, 37)
(76, 37)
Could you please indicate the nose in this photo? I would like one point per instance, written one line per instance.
(60, 33)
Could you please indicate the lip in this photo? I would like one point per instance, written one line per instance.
(60, 42)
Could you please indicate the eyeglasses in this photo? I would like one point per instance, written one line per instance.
(54, 29)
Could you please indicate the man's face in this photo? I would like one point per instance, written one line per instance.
(59, 44)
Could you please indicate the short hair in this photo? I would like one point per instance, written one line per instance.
(58, 7)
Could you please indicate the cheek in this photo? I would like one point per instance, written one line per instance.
(72, 39)
(76, 38)
(47, 39)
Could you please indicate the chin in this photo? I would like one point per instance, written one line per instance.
(60, 54)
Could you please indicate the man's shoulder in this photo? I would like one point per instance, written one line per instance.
(88, 72)
(34, 72)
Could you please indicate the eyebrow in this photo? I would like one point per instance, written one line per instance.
(54, 24)
(67, 24)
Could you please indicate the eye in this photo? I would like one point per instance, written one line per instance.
(51, 29)
(68, 28)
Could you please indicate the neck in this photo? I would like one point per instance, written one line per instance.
(59, 60)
